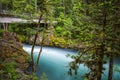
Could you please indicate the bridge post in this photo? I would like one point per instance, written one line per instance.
(5, 26)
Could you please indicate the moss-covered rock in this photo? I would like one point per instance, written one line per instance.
(12, 52)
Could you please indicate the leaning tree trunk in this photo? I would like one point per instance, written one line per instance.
(36, 35)
(41, 45)
(114, 43)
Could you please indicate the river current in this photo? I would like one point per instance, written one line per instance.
(54, 63)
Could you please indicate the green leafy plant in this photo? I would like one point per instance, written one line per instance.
(1, 31)
(9, 69)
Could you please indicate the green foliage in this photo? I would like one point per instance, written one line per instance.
(95, 24)
(58, 41)
(29, 8)
(29, 31)
(1, 31)
(59, 31)
(5, 2)
(9, 69)
(32, 76)
(25, 31)
(23, 38)
(64, 27)
(85, 79)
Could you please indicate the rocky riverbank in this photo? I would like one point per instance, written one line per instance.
(13, 59)
(53, 41)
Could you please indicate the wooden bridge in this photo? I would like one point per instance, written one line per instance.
(6, 19)
(12, 20)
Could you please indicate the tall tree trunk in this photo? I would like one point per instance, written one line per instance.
(11, 5)
(41, 45)
(35, 64)
(36, 5)
(0, 7)
(100, 62)
(63, 2)
(110, 67)
(111, 61)
(86, 3)
(36, 35)
(102, 47)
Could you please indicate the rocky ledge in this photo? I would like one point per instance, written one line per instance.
(13, 59)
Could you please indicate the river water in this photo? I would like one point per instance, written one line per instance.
(54, 63)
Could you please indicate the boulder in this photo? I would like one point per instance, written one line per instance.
(20, 59)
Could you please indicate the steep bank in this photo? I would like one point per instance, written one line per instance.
(13, 59)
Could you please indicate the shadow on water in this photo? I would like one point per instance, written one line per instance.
(54, 64)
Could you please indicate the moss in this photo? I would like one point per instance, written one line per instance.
(11, 41)
(14, 55)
